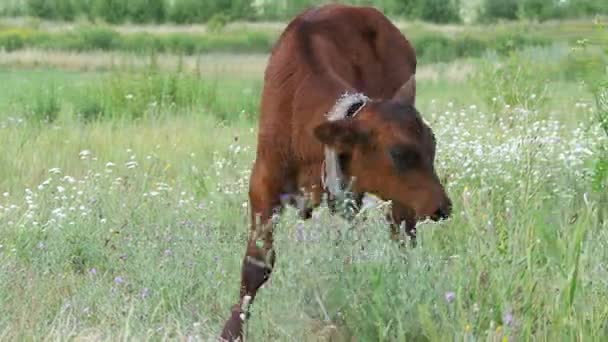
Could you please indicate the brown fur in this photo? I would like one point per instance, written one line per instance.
(387, 148)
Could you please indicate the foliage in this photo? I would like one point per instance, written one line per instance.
(43, 105)
(112, 11)
(134, 229)
(513, 82)
(200, 11)
(439, 11)
(492, 10)
(142, 11)
(430, 46)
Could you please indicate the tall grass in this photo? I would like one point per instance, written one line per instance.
(133, 227)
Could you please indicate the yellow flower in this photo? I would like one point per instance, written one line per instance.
(467, 328)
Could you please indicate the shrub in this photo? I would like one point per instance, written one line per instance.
(189, 11)
(112, 11)
(217, 22)
(98, 38)
(145, 11)
(45, 105)
(13, 8)
(438, 11)
(41, 8)
(14, 39)
(542, 9)
(64, 9)
(491, 10)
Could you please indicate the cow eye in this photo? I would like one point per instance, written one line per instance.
(404, 157)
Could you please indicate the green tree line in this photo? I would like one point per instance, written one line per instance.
(220, 11)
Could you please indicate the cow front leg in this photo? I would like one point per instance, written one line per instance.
(260, 256)
(256, 269)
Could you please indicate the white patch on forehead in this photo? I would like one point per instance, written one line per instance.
(339, 110)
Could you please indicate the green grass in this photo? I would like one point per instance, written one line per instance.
(133, 227)
(432, 43)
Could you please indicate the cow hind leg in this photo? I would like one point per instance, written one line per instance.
(264, 195)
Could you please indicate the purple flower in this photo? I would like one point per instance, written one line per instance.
(168, 253)
(119, 280)
(507, 318)
(93, 271)
(450, 296)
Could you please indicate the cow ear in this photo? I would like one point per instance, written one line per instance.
(406, 95)
(341, 134)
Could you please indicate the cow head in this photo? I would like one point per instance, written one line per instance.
(389, 151)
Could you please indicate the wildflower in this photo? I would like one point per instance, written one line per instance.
(119, 280)
(450, 296)
(93, 271)
(5, 194)
(69, 179)
(507, 318)
(84, 154)
(131, 164)
(144, 293)
(168, 252)
(60, 189)
(55, 170)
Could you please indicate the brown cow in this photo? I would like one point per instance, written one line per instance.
(337, 105)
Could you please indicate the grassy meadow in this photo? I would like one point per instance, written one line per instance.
(123, 206)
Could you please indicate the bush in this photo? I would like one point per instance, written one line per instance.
(65, 10)
(46, 105)
(41, 8)
(145, 11)
(112, 11)
(189, 12)
(438, 11)
(542, 9)
(14, 39)
(491, 10)
(97, 38)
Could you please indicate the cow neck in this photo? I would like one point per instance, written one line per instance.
(332, 174)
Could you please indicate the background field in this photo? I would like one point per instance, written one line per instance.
(125, 152)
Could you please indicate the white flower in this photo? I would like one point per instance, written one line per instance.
(55, 170)
(69, 179)
(84, 154)
(60, 189)
(132, 164)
